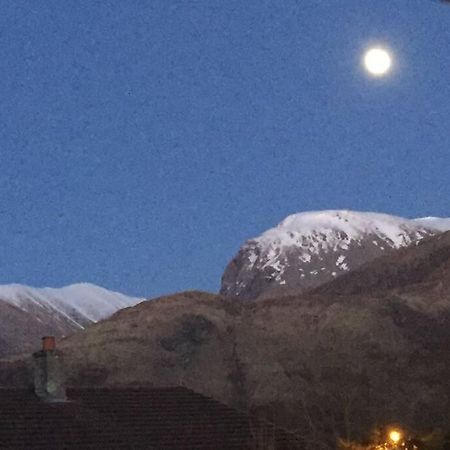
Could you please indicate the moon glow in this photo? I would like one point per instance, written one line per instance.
(377, 61)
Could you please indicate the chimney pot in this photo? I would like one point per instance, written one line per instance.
(48, 343)
(49, 372)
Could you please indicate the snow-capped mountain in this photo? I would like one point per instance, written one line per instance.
(308, 249)
(28, 313)
(80, 303)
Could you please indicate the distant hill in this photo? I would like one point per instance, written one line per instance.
(27, 313)
(309, 249)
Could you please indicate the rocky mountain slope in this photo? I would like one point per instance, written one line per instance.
(27, 313)
(334, 363)
(423, 268)
(309, 249)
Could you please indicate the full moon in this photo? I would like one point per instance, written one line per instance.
(377, 61)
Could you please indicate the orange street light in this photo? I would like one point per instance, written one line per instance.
(395, 436)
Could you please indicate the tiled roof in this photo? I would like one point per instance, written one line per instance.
(163, 418)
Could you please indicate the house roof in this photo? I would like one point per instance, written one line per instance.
(157, 418)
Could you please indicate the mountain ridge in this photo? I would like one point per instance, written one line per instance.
(86, 299)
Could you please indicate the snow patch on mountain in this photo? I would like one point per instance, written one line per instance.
(321, 230)
(436, 223)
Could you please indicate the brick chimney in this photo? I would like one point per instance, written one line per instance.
(48, 372)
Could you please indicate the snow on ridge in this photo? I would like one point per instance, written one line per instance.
(93, 302)
(436, 223)
(325, 228)
(83, 299)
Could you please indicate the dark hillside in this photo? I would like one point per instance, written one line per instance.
(325, 365)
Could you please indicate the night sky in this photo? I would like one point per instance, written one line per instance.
(143, 141)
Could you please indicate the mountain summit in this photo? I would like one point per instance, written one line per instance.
(308, 249)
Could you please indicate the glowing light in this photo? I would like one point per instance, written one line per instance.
(377, 61)
(395, 436)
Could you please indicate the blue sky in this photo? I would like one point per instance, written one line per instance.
(141, 142)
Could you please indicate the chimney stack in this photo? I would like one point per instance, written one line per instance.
(48, 343)
(48, 372)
